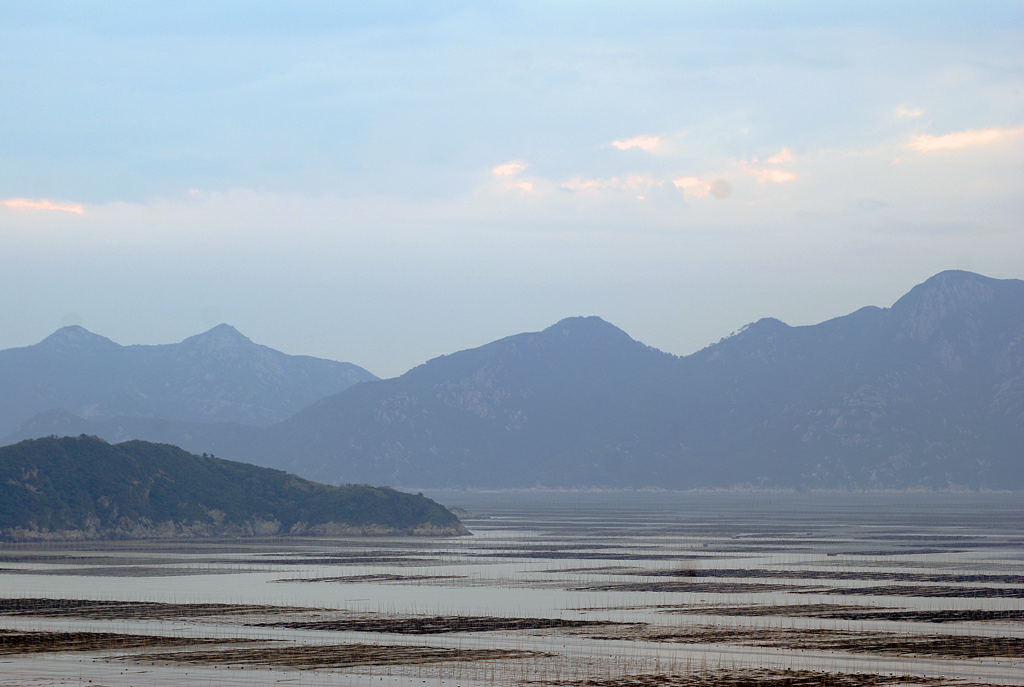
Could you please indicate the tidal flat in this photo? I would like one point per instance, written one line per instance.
(585, 589)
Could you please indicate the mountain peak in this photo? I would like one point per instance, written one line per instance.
(765, 324)
(221, 336)
(76, 337)
(924, 309)
(954, 278)
(946, 292)
(585, 325)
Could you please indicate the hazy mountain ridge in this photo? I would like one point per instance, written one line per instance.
(906, 395)
(217, 376)
(564, 387)
(83, 487)
(928, 392)
(919, 394)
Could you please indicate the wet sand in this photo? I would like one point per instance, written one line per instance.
(573, 589)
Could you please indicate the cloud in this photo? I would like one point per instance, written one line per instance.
(640, 181)
(30, 205)
(782, 157)
(693, 186)
(524, 186)
(904, 112)
(581, 184)
(645, 143)
(509, 169)
(633, 182)
(957, 140)
(770, 176)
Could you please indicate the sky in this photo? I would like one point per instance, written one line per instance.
(387, 182)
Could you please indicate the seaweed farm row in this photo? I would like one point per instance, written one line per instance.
(587, 590)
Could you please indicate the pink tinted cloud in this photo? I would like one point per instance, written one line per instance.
(640, 181)
(958, 140)
(31, 205)
(905, 112)
(770, 175)
(645, 143)
(698, 187)
(693, 186)
(581, 184)
(782, 157)
(509, 169)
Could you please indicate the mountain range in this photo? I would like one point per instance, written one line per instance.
(217, 376)
(926, 393)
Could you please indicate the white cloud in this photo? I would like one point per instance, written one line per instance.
(693, 186)
(632, 182)
(509, 169)
(765, 175)
(581, 184)
(782, 157)
(640, 181)
(696, 187)
(905, 112)
(524, 186)
(44, 205)
(957, 140)
(647, 144)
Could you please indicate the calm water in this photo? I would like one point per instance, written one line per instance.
(666, 563)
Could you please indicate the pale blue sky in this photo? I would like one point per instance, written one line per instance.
(383, 184)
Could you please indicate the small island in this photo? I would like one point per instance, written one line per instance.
(61, 488)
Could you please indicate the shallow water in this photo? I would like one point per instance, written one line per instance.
(532, 556)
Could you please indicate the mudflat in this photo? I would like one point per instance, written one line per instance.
(646, 589)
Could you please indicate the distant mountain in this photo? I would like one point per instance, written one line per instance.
(929, 392)
(578, 403)
(926, 393)
(217, 376)
(86, 488)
